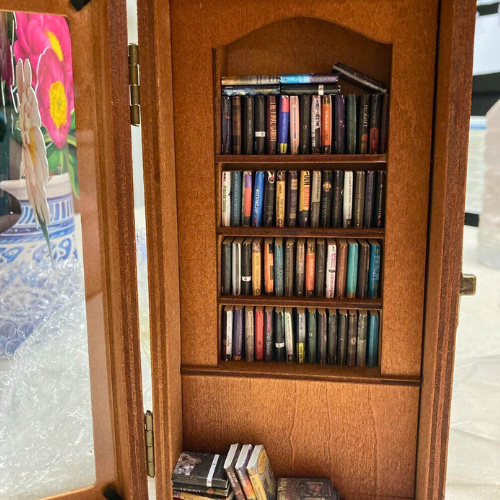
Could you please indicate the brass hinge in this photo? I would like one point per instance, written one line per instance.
(467, 284)
(150, 449)
(135, 88)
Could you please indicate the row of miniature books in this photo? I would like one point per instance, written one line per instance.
(301, 267)
(299, 335)
(303, 114)
(245, 473)
(329, 198)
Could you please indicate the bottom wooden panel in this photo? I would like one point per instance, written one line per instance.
(363, 436)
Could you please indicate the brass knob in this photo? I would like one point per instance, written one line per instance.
(467, 284)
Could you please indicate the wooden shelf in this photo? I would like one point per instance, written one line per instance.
(261, 369)
(272, 300)
(355, 162)
(301, 232)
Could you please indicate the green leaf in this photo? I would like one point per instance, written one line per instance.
(73, 123)
(73, 174)
(47, 239)
(54, 159)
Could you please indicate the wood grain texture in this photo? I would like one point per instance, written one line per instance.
(99, 40)
(362, 436)
(161, 220)
(451, 134)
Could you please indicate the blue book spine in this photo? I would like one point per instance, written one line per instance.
(238, 333)
(373, 332)
(236, 198)
(352, 270)
(374, 270)
(284, 124)
(258, 199)
(305, 78)
(279, 275)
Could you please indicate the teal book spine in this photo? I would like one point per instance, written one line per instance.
(351, 123)
(236, 198)
(374, 270)
(311, 336)
(352, 269)
(373, 333)
(279, 271)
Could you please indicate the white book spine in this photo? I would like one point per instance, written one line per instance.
(226, 199)
(331, 269)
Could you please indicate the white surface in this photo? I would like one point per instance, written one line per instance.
(486, 43)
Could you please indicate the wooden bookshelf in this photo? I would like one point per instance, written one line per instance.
(271, 300)
(304, 232)
(376, 161)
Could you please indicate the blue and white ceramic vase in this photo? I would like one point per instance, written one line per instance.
(24, 241)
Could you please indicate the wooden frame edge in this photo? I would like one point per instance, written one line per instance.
(449, 158)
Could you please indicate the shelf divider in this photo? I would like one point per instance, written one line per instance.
(301, 232)
(373, 161)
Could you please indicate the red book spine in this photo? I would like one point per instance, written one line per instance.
(259, 334)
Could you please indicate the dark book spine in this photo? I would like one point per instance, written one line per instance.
(338, 198)
(304, 197)
(280, 198)
(351, 123)
(373, 335)
(269, 266)
(305, 124)
(249, 334)
(250, 80)
(332, 336)
(227, 131)
(235, 484)
(362, 337)
(236, 124)
(279, 271)
(312, 341)
(339, 126)
(363, 269)
(260, 125)
(268, 334)
(299, 78)
(359, 199)
(279, 331)
(291, 198)
(326, 198)
(248, 124)
(236, 190)
(379, 200)
(269, 196)
(369, 199)
(320, 268)
(352, 338)
(246, 267)
(364, 123)
(283, 124)
(289, 266)
(238, 327)
(322, 328)
(326, 124)
(342, 337)
(272, 125)
(384, 124)
(315, 198)
(357, 78)
(226, 268)
(315, 124)
(227, 333)
(250, 90)
(375, 111)
(310, 89)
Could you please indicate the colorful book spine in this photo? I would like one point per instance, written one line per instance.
(312, 341)
(246, 199)
(362, 337)
(330, 268)
(374, 270)
(315, 124)
(236, 188)
(305, 124)
(280, 198)
(352, 338)
(272, 124)
(236, 266)
(363, 268)
(259, 335)
(369, 208)
(226, 267)
(337, 198)
(322, 326)
(226, 147)
(294, 125)
(279, 267)
(289, 266)
(300, 267)
(310, 266)
(258, 199)
(341, 268)
(260, 125)
(289, 336)
(249, 333)
(380, 200)
(326, 124)
(241, 472)
(332, 336)
(364, 123)
(248, 124)
(305, 78)
(339, 126)
(227, 333)
(246, 266)
(351, 124)
(257, 266)
(269, 197)
(315, 197)
(283, 124)
(229, 467)
(375, 112)
(292, 198)
(238, 333)
(226, 199)
(304, 197)
(352, 269)
(342, 337)
(236, 124)
(384, 124)
(251, 80)
(373, 334)
(269, 266)
(326, 198)
(348, 194)
(319, 287)
(301, 335)
(359, 199)
(358, 78)
(250, 90)
(268, 334)
(310, 89)
(279, 334)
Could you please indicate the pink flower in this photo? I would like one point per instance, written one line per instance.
(55, 97)
(38, 32)
(7, 70)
